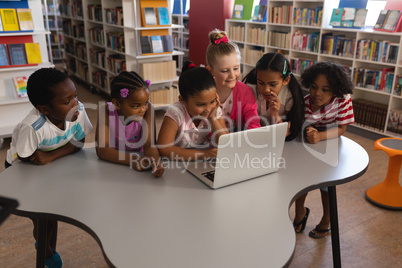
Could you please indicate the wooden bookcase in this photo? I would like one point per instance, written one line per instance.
(12, 108)
(181, 36)
(104, 40)
(252, 50)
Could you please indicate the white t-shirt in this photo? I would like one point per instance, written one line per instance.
(36, 132)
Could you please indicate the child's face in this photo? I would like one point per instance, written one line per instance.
(64, 106)
(226, 71)
(202, 103)
(269, 82)
(134, 105)
(320, 92)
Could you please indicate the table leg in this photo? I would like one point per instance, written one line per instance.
(333, 210)
(41, 245)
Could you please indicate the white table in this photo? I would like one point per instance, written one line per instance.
(176, 220)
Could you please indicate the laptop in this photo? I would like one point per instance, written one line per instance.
(7, 206)
(242, 156)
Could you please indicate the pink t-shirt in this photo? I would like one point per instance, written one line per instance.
(188, 135)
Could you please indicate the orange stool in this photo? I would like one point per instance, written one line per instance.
(388, 194)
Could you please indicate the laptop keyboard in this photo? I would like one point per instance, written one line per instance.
(209, 175)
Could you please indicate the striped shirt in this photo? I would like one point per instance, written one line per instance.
(37, 132)
(338, 112)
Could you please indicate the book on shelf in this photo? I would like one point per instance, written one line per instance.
(157, 46)
(167, 43)
(256, 12)
(20, 85)
(9, 19)
(360, 18)
(381, 19)
(158, 71)
(348, 16)
(149, 16)
(146, 46)
(1, 24)
(238, 11)
(17, 54)
(163, 16)
(336, 17)
(395, 121)
(176, 6)
(370, 114)
(33, 53)
(25, 19)
(398, 86)
(262, 13)
(4, 60)
(392, 20)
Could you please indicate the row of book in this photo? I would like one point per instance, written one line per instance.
(53, 24)
(115, 41)
(77, 30)
(236, 33)
(338, 45)
(379, 80)
(158, 71)
(348, 17)
(56, 39)
(279, 39)
(370, 114)
(114, 16)
(307, 16)
(260, 13)
(82, 70)
(51, 9)
(395, 121)
(19, 54)
(156, 44)
(306, 41)
(280, 15)
(380, 51)
(252, 55)
(164, 96)
(115, 63)
(97, 36)
(257, 36)
(16, 19)
(95, 12)
(299, 65)
(99, 78)
(179, 42)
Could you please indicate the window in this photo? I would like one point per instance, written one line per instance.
(374, 8)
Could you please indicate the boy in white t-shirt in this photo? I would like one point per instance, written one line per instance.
(56, 127)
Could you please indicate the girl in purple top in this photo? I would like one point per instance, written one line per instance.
(237, 99)
(124, 132)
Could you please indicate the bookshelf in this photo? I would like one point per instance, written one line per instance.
(181, 36)
(12, 108)
(102, 38)
(53, 23)
(288, 39)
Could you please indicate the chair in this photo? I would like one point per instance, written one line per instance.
(388, 193)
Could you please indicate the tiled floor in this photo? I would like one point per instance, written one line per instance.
(370, 236)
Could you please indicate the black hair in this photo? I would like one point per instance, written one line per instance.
(129, 80)
(41, 83)
(277, 62)
(339, 80)
(194, 80)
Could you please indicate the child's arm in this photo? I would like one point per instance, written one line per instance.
(218, 125)
(42, 157)
(314, 136)
(166, 138)
(102, 144)
(150, 149)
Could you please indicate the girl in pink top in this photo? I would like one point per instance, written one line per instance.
(192, 126)
(124, 132)
(237, 100)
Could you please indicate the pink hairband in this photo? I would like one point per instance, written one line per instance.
(224, 39)
(124, 91)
